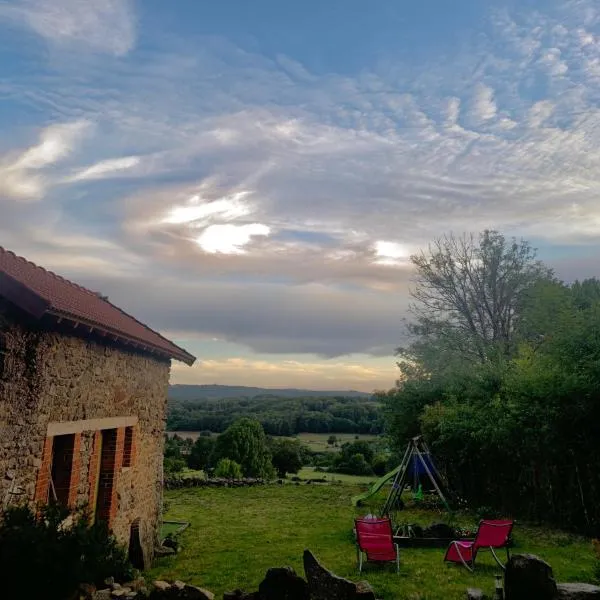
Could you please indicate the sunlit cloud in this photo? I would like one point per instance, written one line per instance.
(230, 239)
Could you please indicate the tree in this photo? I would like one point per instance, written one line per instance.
(466, 300)
(245, 443)
(287, 456)
(228, 469)
(201, 452)
(331, 440)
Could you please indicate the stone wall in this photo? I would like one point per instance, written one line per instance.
(49, 376)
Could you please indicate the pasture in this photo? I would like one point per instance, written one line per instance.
(237, 534)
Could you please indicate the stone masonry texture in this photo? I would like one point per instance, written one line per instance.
(56, 375)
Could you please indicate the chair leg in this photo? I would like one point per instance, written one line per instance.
(497, 559)
(360, 561)
(462, 560)
(397, 560)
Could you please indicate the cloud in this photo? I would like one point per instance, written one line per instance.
(101, 26)
(484, 107)
(104, 168)
(19, 175)
(329, 375)
(230, 239)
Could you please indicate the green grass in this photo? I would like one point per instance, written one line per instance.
(317, 442)
(237, 534)
(310, 473)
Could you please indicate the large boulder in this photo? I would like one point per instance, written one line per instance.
(578, 591)
(282, 583)
(528, 577)
(324, 585)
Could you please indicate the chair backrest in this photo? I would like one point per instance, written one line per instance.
(493, 533)
(371, 532)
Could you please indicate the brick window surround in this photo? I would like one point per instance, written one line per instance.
(113, 448)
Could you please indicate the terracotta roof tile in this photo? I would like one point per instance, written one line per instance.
(67, 299)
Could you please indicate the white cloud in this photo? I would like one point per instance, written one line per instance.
(483, 106)
(197, 210)
(230, 239)
(551, 60)
(100, 25)
(106, 167)
(19, 177)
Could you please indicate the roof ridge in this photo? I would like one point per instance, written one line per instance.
(48, 271)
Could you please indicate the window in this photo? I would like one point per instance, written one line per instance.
(128, 447)
(61, 469)
(105, 494)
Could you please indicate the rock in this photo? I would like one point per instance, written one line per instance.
(283, 584)
(324, 585)
(439, 530)
(240, 595)
(164, 551)
(118, 593)
(161, 585)
(527, 577)
(115, 586)
(136, 584)
(102, 594)
(87, 590)
(578, 591)
(178, 584)
(474, 594)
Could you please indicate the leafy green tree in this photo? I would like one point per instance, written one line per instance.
(201, 453)
(245, 443)
(467, 298)
(228, 469)
(332, 440)
(287, 456)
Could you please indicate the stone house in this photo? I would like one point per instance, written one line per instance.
(83, 393)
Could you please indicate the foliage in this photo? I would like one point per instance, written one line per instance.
(287, 456)
(332, 440)
(228, 469)
(172, 466)
(201, 453)
(278, 415)
(272, 525)
(41, 557)
(467, 295)
(518, 432)
(245, 443)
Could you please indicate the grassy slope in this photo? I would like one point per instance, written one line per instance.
(237, 534)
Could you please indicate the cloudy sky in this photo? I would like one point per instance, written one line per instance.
(250, 177)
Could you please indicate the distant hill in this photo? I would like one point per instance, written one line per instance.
(197, 392)
(281, 412)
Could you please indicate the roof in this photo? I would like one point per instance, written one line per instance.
(40, 292)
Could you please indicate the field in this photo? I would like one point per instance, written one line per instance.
(317, 442)
(310, 473)
(237, 534)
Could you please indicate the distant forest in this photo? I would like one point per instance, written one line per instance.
(278, 415)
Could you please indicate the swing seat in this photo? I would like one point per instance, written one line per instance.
(491, 534)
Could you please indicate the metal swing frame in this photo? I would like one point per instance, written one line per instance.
(415, 450)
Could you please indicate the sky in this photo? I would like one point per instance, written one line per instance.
(251, 178)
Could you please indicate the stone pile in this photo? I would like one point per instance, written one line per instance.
(320, 584)
(528, 577)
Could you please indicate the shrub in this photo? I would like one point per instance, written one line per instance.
(228, 469)
(173, 465)
(44, 557)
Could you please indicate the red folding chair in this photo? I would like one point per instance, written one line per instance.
(490, 534)
(375, 539)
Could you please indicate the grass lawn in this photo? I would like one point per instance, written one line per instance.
(310, 473)
(237, 534)
(317, 442)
